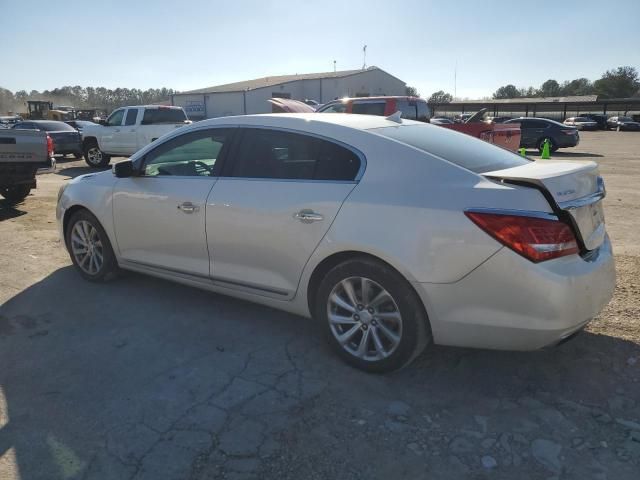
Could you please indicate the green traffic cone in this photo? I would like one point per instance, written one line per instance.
(546, 153)
(523, 152)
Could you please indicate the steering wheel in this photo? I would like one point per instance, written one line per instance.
(201, 167)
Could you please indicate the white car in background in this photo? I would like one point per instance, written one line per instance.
(581, 123)
(127, 130)
(391, 233)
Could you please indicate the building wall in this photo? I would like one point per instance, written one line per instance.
(367, 83)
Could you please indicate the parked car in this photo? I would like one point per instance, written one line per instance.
(497, 119)
(127, 130)
(534, 132)
(623, 123)
(66, 139)
(502, 135)
(22, 154)
(7, 121)
(80, 124)
(392, 234)
(412, 108)
(441, 121)
(462, 118)
(581, 123)
(599, 118)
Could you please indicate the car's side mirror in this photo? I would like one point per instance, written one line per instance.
(123, 169)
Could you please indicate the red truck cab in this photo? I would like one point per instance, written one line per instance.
(412, 108)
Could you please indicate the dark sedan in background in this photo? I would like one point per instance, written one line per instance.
(66, 139)
(623, 123)
(534, 131)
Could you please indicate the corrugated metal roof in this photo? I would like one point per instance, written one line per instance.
(570, 99)
(275, 80)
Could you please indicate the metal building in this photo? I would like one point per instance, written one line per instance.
(250, 96)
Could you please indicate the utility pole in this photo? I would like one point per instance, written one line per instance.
(364, 57)
(455, 81)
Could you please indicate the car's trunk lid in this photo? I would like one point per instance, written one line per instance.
(574, 189)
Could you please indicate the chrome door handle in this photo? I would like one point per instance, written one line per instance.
(188, 207)
(308, 216)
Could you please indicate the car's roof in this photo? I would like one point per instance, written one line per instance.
(303, 120)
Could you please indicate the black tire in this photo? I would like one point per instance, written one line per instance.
(16, 193)
(415, 330)
(109, 267)
(552, 146)
(94, 156)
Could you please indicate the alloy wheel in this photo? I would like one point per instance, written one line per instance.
(94, 155)
(364, 318)
(87, 247)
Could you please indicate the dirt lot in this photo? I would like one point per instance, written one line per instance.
(145, 379)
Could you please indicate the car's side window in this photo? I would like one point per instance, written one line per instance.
(369, 108)
(115, 119)
(193, 154)
(338, 107)
(132, 115)
(276, 154)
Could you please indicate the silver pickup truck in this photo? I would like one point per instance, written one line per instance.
(22, 154)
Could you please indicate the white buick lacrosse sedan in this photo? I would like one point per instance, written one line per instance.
(393, 234)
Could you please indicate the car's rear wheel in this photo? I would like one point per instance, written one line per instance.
(16, 193)
(94, 156)
(89, 247)
(372, 316)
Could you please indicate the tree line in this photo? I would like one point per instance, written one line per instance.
(621, 82)
(84, 97)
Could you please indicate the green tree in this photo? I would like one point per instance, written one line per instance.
(440, 97)
(579, 86)
(619, 83)
(507, 91)
(550, 88)
(411, 91)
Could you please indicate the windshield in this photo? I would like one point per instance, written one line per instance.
(54, 127)
(458, 148)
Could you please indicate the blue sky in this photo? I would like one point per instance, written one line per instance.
(198, 43)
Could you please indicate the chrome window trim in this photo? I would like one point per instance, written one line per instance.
(354, 150)
(588, 200)
(517, 213)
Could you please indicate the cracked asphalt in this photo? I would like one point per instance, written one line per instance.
(146, 379)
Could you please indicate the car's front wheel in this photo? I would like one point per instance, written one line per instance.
(372, 316)
(94, 156)
(90, 248)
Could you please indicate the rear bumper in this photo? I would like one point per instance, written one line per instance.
(509, 303)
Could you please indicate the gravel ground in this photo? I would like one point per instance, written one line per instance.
(142, 378)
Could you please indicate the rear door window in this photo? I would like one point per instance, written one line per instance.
(276, 154)
(153, 116)
(368, 108)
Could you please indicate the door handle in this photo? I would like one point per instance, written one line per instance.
(188, 207)
(308, 216)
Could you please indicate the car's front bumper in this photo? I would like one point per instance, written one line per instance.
(510, 303)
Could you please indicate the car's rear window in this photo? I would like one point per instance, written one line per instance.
(163, 115)
(54, 127)
(458, 148)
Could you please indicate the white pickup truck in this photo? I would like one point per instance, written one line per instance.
(127, 130)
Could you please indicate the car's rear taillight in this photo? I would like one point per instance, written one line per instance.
(571, 131)
(49, 146)
(536, 239)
